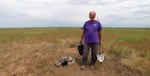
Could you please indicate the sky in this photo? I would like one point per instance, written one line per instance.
(73, 13)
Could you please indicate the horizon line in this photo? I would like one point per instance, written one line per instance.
(69, 27)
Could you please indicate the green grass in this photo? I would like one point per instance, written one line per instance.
(35, 34)
(131, 35)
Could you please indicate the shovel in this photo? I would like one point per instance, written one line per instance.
(100, 55)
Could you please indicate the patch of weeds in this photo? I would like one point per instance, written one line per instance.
(55, 46)
(72, 46)
(120, 52)
(142, 64)
(41, 64)
(144, 54)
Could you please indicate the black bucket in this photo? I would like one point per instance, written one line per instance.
(80, 49)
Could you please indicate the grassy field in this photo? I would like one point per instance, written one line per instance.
(32, 52)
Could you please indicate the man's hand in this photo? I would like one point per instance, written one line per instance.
(80, 42)
(99, 43)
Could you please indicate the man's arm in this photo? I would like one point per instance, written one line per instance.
(82, 35)
(100, 41)
(100, 36)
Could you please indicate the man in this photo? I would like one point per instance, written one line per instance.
(92, 38)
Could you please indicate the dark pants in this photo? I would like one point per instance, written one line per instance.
(94, 49)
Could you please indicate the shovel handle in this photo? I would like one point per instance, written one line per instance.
(100, 49)
(80, 42)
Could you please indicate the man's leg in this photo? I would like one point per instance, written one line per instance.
(94, 50)
(84, 56)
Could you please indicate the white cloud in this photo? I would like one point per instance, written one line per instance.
(74, 12)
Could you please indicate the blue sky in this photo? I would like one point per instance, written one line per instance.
(72, 13)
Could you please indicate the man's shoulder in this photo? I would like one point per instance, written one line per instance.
(87, 21)
(97, 21)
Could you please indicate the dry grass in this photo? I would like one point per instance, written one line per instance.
(32, 52)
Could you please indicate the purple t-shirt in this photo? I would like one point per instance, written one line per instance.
(91, 29)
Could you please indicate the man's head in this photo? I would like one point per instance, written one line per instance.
(92, 15)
